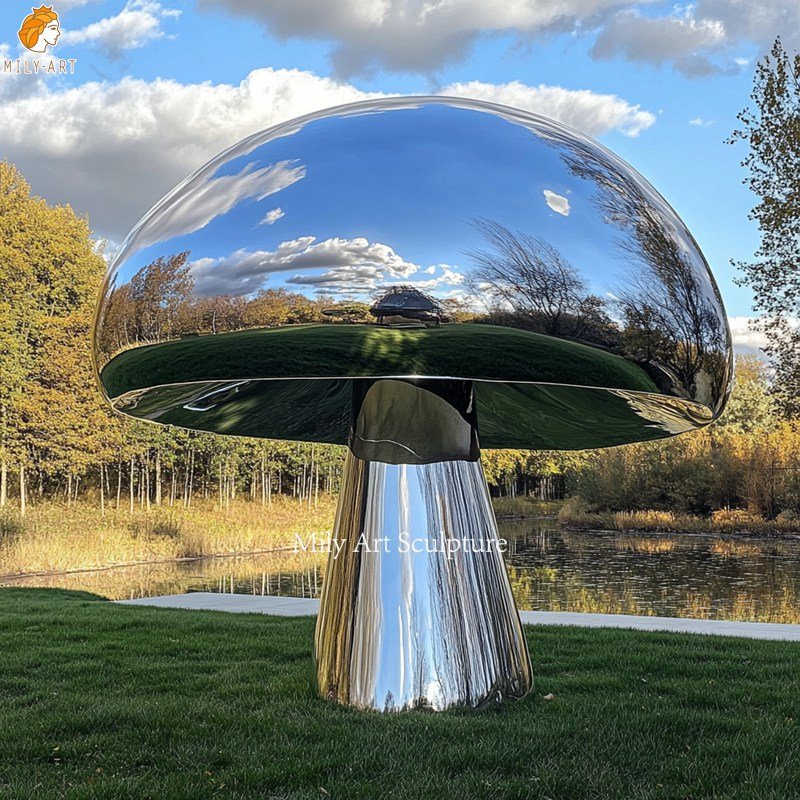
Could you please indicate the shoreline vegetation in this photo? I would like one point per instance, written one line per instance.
(739, 522)
(56, 539)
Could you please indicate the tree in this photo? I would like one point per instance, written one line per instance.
(158, 291)
(50, 276)
(772, 132)
(752, 406)
(531, 278)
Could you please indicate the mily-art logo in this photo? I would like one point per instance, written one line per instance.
(40, 30)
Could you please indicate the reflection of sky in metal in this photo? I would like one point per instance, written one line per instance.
(378, 198)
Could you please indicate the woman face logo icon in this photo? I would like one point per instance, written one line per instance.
(40, 29)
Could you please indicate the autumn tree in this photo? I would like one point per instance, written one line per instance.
(50, 276)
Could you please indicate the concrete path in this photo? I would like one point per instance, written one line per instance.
(304, 607)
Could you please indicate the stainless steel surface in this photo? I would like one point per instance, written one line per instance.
(413, 421)
(417, 610)
(427, 237)
(409, 277)
(399, 629)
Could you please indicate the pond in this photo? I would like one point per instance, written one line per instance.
(551, 569)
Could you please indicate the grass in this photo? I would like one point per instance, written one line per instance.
(102, 701)
(525, 506)
(336, 351)
(54, 538)
(525, 391)
(574, 514)
(519, 396)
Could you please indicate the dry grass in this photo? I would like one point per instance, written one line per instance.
(54, 538)
(176, 577)
(575, 514)
(524, 506)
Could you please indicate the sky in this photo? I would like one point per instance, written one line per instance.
(160, 87)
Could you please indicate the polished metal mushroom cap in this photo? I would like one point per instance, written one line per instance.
(415, 239)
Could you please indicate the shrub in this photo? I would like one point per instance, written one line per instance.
(11, 526)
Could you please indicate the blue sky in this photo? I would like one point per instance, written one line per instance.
(113, 137)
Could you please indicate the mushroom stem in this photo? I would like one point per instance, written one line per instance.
(417, 610)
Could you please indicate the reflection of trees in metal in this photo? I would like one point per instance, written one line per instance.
(158, 305)
(534, 286)
(671, 310)
(147, 308)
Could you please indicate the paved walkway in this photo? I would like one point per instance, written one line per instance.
(303, 607)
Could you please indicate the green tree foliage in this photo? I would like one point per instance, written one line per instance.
(771, 130)
(50, 275)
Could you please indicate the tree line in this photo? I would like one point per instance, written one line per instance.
(58, 440)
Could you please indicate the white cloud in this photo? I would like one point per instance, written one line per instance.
(424, 35)
(756, 21)
(745, 339)
(347, 265)
(448, 276)
(590, 112)
(138, 23)
(697, 39)
(557, 202)
(113, 149)
(271, 217)
(411, 35)
(679, 38)
(699, 122)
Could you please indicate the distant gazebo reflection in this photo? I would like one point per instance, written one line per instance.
(407, 304)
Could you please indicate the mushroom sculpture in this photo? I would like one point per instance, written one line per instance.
(587, 317)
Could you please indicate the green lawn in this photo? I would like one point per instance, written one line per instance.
(103, 701)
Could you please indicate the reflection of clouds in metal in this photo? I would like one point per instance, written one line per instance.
(556, 202)
(574, 255)
(545, 366)
(203, 199)
(449, 277)
(351, 264)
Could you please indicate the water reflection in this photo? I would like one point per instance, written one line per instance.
(551, 569)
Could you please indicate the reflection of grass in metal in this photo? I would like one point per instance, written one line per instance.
(468, 351)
